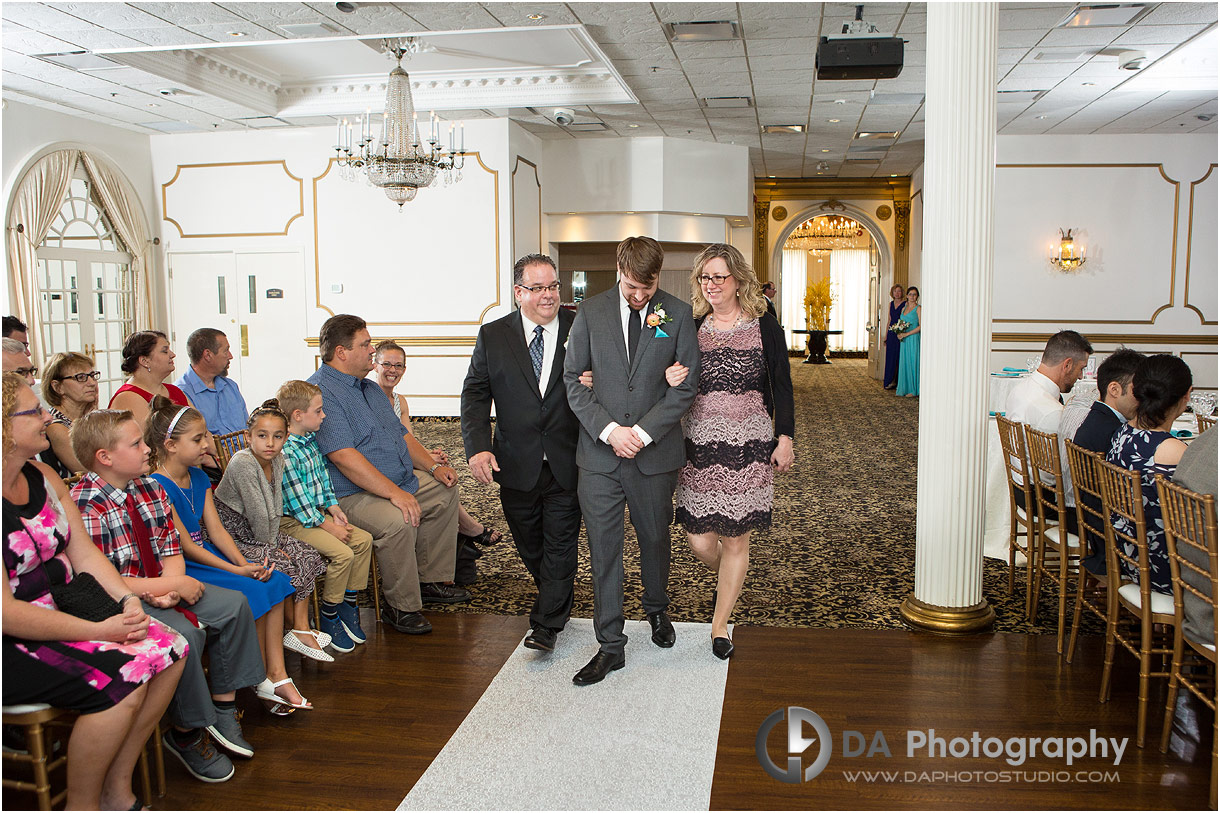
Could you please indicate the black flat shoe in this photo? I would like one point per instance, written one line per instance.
(662, 629)
(541, 639)
(722, 648)
(596, 670)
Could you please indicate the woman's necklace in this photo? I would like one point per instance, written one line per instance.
(182, 491)
(718, 336)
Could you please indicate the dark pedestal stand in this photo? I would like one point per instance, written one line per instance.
(817, 344)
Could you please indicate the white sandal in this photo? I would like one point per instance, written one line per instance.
(266, 691)
(291, 641)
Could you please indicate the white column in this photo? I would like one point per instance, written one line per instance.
(959, 173)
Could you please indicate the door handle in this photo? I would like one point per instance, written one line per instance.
(245, 339)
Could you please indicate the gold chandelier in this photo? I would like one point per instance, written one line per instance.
(399, 160)
(824, 234)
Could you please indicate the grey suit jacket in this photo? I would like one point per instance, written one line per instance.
(635, 394)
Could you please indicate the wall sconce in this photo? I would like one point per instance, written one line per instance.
(1067, 258)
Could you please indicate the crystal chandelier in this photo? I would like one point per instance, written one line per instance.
(1068, 258)
(399, 161)
(825, 234)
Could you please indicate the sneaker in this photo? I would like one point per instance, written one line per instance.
(338, 638)
(437, 593)
(201, 759)
(227, 732)
(349, 616)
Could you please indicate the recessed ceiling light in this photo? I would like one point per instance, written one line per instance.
(571, 213)
(825, 150)
(153, 104)
(833, 121)
(893, 174)
(535, 16)
(783, 128)
(1088, 84)
(702, 31)
(891, 134)
(630, 213)
(633, 126)
(237, 33)
(840, 101)
(1040, 118)
(1111, 14)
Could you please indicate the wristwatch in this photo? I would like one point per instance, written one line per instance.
(434, 468)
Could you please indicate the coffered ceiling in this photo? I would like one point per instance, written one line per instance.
(191, 67)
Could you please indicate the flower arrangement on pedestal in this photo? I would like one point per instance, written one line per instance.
(818, 302)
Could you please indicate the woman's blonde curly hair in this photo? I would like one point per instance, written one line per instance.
(749, 291)
(13, 383)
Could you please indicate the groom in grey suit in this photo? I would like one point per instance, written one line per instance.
(631, 446)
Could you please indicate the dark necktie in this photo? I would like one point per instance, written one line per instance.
(150, 565)
(1061, 398)
(536, 352)
(633, 334)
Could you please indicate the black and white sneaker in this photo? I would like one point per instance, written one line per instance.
(227, 733)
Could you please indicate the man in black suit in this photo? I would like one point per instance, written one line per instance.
(518, 365)
(768, 290)
(1116, 407)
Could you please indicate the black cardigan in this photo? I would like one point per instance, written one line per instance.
(778, 394)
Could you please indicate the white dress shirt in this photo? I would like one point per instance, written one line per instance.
(626, 311)
(550, 338)
(1035, 401)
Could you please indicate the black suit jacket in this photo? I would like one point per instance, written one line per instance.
(527, 423)
(1098, 428)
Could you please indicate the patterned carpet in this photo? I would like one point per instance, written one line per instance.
(841, 549)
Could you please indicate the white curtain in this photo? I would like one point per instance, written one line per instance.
(127, 216)
(849, 286)
(792, 296)
(35, 205)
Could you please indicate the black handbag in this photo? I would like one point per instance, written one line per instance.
(83, 597)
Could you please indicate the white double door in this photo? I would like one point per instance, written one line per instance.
(258, 299)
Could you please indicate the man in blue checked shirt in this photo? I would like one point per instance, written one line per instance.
(206, 382)
(409, 505)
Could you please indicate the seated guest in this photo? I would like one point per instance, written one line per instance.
(207, 384)
(412, 514)
(149, 361)
(1197, 471)
(69, 389)
(16, 329)
(1095, 429)
(1162, 390)
(389, 364)
(119, 673)
(17, 360)
(1036, 400)
(128, 515)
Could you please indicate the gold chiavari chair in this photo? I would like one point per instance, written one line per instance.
(1090, 587)
(1058, 550)
(1137, 617)
(1016, 470)
(227, 446)
(1204, 422)
(1190, 535)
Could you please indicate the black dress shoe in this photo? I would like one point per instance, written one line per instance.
(410, 623)
(662, 629)
(595, 671)
(541, 639)
(437, 593)
(722, 648)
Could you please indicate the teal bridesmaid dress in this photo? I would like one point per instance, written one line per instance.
(908, 358)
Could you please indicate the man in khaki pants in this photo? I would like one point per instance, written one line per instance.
(393, 490)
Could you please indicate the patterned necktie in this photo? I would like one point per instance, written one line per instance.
(536, 352)
(633, 334)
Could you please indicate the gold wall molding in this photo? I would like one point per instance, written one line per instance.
(760, 239)
(1173, 262)
(902, 223)
(513, 218)
(283, 164)
(1115, 338)
(771, 189)
(417, 341)
(317, 266)
(1190, 226)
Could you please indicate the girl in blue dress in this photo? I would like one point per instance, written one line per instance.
(908, 360)
(179, 440)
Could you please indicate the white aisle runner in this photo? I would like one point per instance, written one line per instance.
(644, 738)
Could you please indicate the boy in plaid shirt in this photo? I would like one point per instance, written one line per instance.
(312, 515)
(128, 515)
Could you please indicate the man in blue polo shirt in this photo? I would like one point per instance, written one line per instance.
(206, 382)
(393, 490)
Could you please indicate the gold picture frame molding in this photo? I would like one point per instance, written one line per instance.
(317, 265)
(283, 163)
(1190, 226)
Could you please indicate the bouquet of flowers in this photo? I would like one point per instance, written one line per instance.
(900, 326)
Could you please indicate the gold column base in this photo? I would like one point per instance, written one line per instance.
(947, 620)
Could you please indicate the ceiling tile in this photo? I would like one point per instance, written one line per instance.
(1019, 19)
(1158, 34)
(695, 12)
(772, 11)
(800, 61)
(781, 28)
(517, 14)
(1181, 13)
(732, 64)
(447, 16)
(190, 14)
(728, 49)
(26, 41)
(109, 15)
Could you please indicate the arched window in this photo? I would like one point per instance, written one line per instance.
(84, 285)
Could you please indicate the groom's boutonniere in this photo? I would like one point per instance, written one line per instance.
(657, 318)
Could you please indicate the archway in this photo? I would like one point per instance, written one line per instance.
(878, 284)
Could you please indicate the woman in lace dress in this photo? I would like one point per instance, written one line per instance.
(740, 425)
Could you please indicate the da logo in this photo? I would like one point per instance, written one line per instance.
(798, 744)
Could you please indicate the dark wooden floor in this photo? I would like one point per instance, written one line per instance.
(385, 711)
